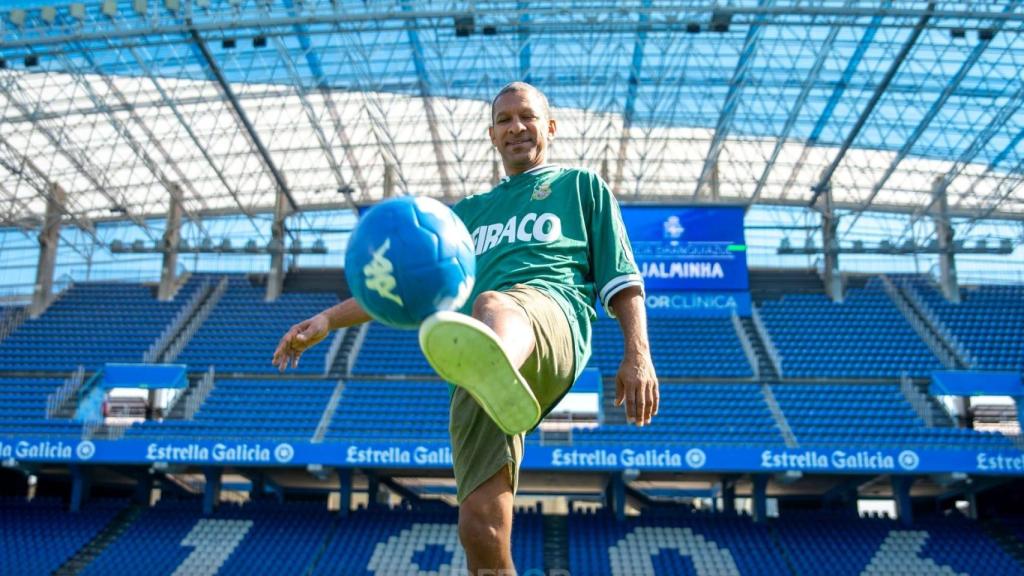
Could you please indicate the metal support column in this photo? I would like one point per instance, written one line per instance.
(211, 493)
(901, 494)
(49, 236)
(143, 488)
(944, 235)
(81, 485)
(169, 244)
(345, 491)
(275, 278)
(830, 243)
(759, 496)
(389, 180)
(616, 495)
(729, 495)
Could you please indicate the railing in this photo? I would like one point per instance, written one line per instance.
(97, 429)
(917, 400)
(353, 352)
(332, 352)
(70, 387)
(923, 330)
(779, 416)
(766, 339)
(198, 396)
(197, 320)
(748, 348)
(180, 319)
(325, 418)
(922, 307)
(12, 321)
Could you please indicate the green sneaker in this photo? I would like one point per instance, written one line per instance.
(467, 353)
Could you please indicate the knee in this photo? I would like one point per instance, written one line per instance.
(480, 528)
(489, 303)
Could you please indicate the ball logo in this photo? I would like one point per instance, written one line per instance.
(379, 274)
(695, 458)
(909, 460)
(284, 453)
(85, 450)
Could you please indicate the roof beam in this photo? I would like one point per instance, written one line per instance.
(78, 158)
(982, 139)
(933, 111)
(732, 100)
(632, 88)
(897, 62)
(243, 118)
(794, 113)
(323, 86)
(140, 151)
(21, 165)
(525, 47)
(172, 105)
(543, 19)
(419, 62)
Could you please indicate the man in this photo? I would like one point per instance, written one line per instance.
(548, 241)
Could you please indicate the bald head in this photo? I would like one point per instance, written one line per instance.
(524, 88)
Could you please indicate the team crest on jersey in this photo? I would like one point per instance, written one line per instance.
(541, 192)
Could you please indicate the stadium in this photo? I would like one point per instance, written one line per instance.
(824, 198)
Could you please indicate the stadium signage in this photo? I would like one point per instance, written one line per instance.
(1000, 463)
(627, 457)
(688, 248)
(835, 460)
(218, 452)
(438, 455)
(35, 450)
(419, 455)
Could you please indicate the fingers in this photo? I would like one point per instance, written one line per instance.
(620, 391)
(283, 354)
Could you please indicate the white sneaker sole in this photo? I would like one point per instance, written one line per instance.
(467, 353)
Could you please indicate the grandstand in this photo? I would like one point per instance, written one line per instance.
(824, 198)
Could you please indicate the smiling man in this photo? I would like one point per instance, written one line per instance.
(549, 243)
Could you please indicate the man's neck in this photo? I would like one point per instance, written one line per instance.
(533, 169)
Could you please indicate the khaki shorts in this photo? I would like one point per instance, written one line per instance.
(479, 448)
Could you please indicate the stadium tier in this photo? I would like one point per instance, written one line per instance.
(847, 545)
(706, 414)
(367, 404)
(389, 350)
(174, 537)
(415, 542)
(257, 409)
(865, 336)
(91, 324)
(23, 408)
(987, 324)
(38, 537)
(680, 347)
(671, 541)
(868, 414)
(243, 329)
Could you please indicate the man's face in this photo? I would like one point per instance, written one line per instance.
(521, 130)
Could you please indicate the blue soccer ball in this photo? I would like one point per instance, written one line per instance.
(408, 258)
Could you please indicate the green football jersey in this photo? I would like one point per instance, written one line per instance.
(558, 230)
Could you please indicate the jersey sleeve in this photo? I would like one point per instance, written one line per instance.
(611, 256)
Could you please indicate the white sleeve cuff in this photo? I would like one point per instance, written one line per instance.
(616, 285)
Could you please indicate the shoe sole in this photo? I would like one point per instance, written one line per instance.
(467, 353)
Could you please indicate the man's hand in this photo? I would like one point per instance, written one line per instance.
(298, 338)
(637, 386)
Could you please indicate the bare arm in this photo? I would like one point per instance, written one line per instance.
(307, 333)
(636, 384)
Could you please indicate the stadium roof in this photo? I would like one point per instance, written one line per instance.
(743, 101)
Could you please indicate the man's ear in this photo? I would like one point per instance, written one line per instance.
(552, 127)
(490, 133)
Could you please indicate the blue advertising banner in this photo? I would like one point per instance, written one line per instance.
(688, 249)
(975, 383)
(570, 458)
